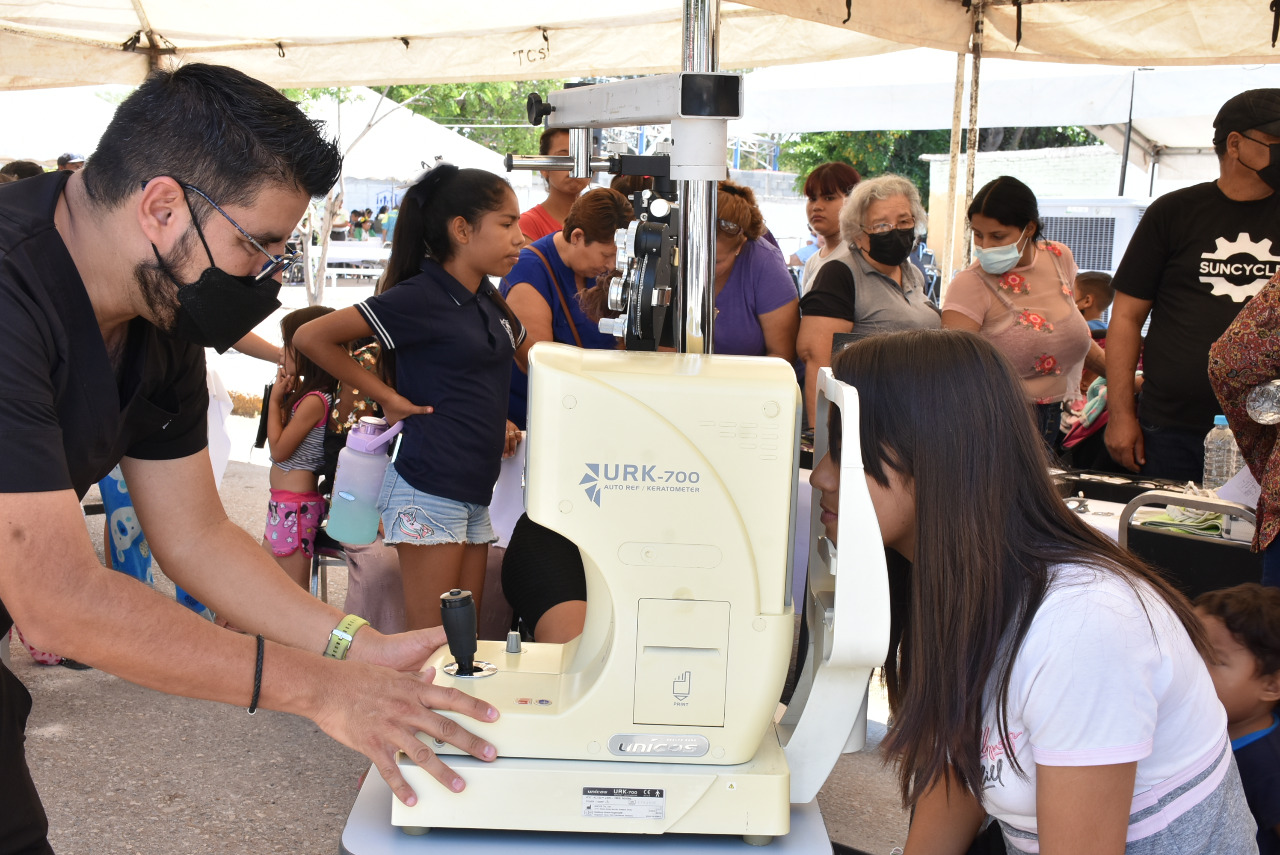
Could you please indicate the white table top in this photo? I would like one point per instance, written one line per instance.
(354, 251)
(369, 832)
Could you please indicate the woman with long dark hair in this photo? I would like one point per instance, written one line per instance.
(1037, 673)
(447, 339)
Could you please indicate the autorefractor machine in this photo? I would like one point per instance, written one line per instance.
(675, 475)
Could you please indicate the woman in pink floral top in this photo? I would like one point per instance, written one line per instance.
(1019, 295)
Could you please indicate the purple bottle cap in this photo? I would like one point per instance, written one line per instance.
(371, 434)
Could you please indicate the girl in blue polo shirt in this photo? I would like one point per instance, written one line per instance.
(448, 340)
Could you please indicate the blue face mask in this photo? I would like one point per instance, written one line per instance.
(1000, 259)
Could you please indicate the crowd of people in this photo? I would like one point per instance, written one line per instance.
(1074, 699)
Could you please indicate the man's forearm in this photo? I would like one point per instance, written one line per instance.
(248, 588)
(1123, 344)
(108, 620)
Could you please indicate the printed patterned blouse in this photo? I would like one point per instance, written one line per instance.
(1247, 355)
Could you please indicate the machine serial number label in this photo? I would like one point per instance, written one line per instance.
(624, 803)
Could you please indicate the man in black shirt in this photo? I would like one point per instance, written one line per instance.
(112, 281)
(1197, 255)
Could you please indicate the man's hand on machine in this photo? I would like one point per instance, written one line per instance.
(379, 711)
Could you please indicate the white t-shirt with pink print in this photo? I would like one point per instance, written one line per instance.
(1098, 680)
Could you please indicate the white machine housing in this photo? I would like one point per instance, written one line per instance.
(675, 475)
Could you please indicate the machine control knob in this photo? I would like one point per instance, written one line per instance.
(513, 642)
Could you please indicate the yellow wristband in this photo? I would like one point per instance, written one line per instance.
(340, 638)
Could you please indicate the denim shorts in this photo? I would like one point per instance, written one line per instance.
(421, 519)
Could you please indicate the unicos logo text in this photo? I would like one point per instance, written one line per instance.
(658, 745)
(636, 477)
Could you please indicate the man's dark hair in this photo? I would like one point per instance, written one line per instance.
(22, 169)
(215, 128)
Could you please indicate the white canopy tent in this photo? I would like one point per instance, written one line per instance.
(39, 125)
(401, 143)
(1172, 107)
(324, 42)
(1120, 32)
(328, 43)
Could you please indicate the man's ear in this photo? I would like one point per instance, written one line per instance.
(163, 214)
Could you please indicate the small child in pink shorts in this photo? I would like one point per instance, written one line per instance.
(299, 407)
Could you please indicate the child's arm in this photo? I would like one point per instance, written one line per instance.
(324, 340)
(283, 439)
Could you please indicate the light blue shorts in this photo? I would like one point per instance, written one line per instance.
(421, 519)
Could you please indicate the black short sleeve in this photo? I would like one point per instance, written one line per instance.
(832, 294)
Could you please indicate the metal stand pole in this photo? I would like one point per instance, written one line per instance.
(972, 141)
(695, 310)
(947, 260)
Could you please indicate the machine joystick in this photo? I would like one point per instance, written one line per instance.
(458, 614)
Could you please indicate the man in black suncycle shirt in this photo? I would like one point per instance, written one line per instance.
(1197, 255)
(112, 280)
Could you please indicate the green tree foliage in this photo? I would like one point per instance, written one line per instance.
(878, 152)
(497, 109)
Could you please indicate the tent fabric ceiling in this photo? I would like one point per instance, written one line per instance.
(289, 43)
(1119, 32)
(286, 43)
(915, 89)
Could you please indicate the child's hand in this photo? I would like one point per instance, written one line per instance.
(399, 407)
(284, 384)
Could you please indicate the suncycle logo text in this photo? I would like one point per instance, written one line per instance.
(637, 478)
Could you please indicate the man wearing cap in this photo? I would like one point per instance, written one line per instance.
(70, 162)
(1196, 257)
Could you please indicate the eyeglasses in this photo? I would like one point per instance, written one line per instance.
(883, 228)
(729, 227)
(275, 263)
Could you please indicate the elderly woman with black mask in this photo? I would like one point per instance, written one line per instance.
(875, 289)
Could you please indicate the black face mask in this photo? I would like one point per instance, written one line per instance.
(219, 309)
(1270, 174)
(892, 247)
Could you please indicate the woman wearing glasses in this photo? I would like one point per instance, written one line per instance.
(757, 311)
(1018, 294)
(875, 289)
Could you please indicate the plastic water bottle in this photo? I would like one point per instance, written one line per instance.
(353, 515)
(1263, 403)
(1222, 458)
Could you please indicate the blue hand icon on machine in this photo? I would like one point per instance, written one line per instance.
(680, 686)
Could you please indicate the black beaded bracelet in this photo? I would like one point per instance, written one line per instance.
(257, 678)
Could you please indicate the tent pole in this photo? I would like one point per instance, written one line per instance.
(695, 313)
(947, 257)
(972, 140)
(1128, 134)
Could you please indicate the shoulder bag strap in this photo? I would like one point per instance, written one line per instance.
(555, 283)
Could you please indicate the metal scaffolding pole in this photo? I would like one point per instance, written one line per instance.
(696, 306)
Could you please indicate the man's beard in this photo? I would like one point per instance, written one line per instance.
(159, 285)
